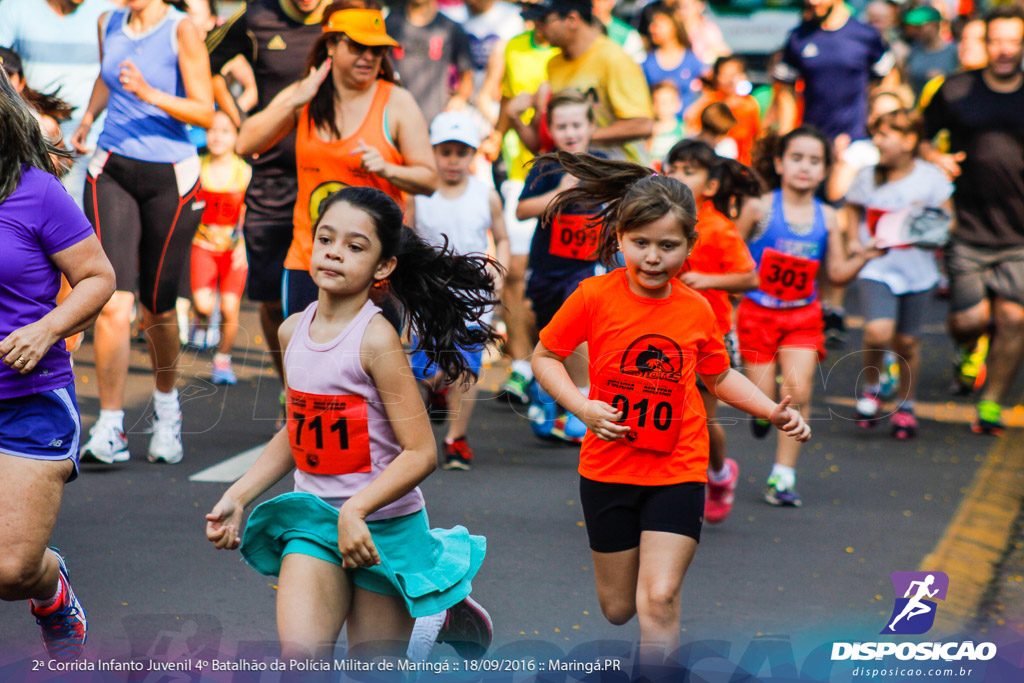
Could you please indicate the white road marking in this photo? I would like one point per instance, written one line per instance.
(230, 470)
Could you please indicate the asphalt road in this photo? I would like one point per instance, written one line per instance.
(765, 578)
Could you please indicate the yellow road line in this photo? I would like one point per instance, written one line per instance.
(978, 534)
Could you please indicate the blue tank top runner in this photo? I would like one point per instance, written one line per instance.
(808, 243)
(136, 129)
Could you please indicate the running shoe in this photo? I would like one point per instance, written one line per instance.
(458, 455)
(904, 424)
(107, 443)
(969, 367)
(542, 412)
(424, 636)
(467, 628)
(165, 445)
(718, 503)
(774, 494)
(989, 419)
(760, 428)
(437, 404)
(64, 626)
(835, 329)
(868, 407)
(889, 377)
(223, 373)
(196, 338)
(516, 387)
(569, 428)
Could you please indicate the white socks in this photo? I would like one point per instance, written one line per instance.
(784, 475)
(524, 368)
(165, 405)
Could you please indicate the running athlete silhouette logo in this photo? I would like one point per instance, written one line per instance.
(655, 357)
(914, 613)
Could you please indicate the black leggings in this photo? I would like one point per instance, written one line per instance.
(145, 215)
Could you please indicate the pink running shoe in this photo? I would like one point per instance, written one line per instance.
(64, 625)
(467, 628)
(904, 425)
(718, 503)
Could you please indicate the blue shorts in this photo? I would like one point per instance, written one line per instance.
(423, 369)
(43, 426)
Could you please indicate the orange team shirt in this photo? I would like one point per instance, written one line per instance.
(748, 123)
(324, 167)
(644, 354)
(719, 250)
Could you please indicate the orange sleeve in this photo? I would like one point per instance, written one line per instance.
(568, 327)
(712, 358)
(736, 256)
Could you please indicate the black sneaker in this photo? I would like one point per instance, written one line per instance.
(437, 404)
(760, 428)
(458, 455)
(467, 628)
(835, 329)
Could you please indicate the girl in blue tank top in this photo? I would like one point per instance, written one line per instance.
(779, 325)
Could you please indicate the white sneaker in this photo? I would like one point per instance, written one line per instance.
(424, 636)
(165, 445)
(107, 443)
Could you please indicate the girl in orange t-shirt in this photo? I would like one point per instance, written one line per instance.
(644, 459)
(719, 265)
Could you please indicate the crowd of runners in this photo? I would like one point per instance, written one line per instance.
(640, 221)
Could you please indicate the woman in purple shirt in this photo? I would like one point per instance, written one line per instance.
(44, 235)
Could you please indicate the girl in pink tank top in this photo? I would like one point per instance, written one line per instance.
(352, 542)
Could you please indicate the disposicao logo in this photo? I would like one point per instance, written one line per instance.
(914, 612)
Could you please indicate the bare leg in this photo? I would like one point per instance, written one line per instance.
(461, 400)
(203, 301)
(966, 326)
(313, 599)
(878, 337)
(518, 321)
(30, 496)
(616, 577)
(164, 347)
(909, 351)
(664, 559)
(271, 317)
(375, 617)
(230, 305)
(1004, 354)
(113, 349)
(799, 367)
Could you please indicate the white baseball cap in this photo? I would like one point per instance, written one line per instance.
(455, 126)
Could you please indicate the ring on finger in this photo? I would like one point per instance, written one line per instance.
(21, 361)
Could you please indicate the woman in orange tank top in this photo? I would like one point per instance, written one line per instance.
(354, 127)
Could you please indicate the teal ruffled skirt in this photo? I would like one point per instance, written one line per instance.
(430, 569)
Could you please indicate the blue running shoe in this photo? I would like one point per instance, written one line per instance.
(64, 625)
(569, 428)
(542, 412)
(774, 494)
(223, 373)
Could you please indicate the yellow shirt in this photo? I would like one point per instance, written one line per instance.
(618, 83)
(526, 67)
(220, 229)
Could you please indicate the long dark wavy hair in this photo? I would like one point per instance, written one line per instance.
(619, 196)
(321, 107)
(21, 140)
(443, 293)
(736, 182)
(772, 146)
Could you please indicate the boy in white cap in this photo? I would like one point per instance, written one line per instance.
(463, 209)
